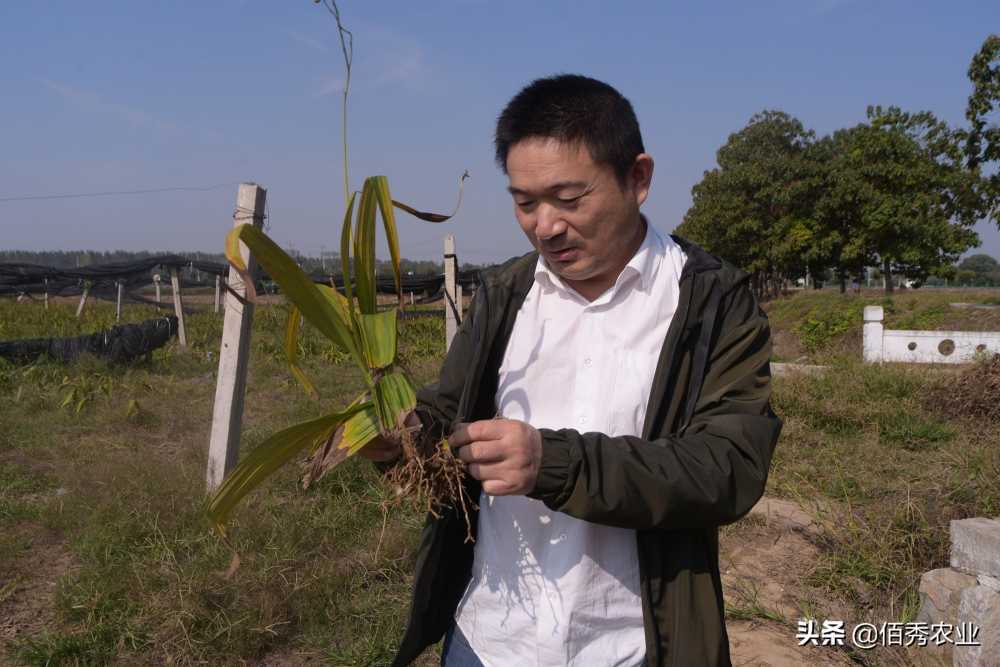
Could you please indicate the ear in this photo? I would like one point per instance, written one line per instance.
(640, 176)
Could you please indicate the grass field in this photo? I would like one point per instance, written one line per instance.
(105, 556)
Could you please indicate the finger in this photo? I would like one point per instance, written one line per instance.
(486, 471)
(487, 429)
(481, 452)
(459, 436)
(496, 487)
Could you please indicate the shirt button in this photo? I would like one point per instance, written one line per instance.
(586, 362)
(583, 420)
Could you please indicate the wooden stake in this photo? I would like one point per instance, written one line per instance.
(234, 355)
(118, 301)
(218, 288)
(156, 281)
(46, 294)
(450, 291)
(175, 286)
(83, 300)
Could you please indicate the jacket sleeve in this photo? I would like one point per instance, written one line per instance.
(710, 475)
(438, 403)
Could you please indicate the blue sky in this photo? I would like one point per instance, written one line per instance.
(126, 95)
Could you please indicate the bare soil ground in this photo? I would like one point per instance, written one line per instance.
(761, 561)
(29, 582)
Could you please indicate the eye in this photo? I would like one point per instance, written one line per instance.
(525, 205)
(569, 202)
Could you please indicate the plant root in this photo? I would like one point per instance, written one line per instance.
(429, 477)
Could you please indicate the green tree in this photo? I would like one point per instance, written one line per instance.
(754, 209)
(982, 141)
(902, 194)
(838, 210)
(979, 270)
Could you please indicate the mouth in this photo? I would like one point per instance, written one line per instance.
(564, 255)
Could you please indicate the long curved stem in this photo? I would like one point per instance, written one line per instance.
(347, 48)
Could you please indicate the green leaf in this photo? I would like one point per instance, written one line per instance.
(345, 247)
(364, 249)
(270, 455)
(343, 307)
(321, 311)
(381, 187)
(394, 395)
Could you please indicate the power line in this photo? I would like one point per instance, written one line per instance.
(109, 193)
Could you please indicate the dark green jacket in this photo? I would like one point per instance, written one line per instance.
(702, 460)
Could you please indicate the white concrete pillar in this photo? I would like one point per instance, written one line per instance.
(873, 334)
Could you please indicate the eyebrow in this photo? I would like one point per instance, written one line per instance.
(562, 185)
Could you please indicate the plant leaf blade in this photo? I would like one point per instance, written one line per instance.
(267, 457)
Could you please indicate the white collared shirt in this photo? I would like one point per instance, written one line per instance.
(549, 589)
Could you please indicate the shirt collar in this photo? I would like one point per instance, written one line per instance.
(644, 264)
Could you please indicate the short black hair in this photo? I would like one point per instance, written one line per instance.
(573, 109)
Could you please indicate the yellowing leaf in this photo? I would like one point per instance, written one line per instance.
(359, 430)
(434, 217)
(292, 350)
(378, 336)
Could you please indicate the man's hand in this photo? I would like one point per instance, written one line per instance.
(504, 454)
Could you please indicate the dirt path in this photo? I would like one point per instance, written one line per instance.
(762, 562)
(28, 585)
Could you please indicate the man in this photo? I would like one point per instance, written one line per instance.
(609, 395)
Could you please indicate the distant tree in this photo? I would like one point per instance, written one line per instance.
(754, 209)
(979, 270)
(982, 145)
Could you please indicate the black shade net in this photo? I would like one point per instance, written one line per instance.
(119, 344)
(33, 279)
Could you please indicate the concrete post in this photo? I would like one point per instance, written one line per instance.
(120, 288)
(450, 290)
(234, 354)
(218, 290)
(873, 332)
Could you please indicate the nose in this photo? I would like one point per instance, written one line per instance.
(548, 222)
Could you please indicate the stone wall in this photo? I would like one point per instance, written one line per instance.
(967, 594)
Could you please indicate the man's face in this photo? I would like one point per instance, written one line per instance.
(575, 212)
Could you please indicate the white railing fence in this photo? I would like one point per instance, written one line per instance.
(926, 347)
